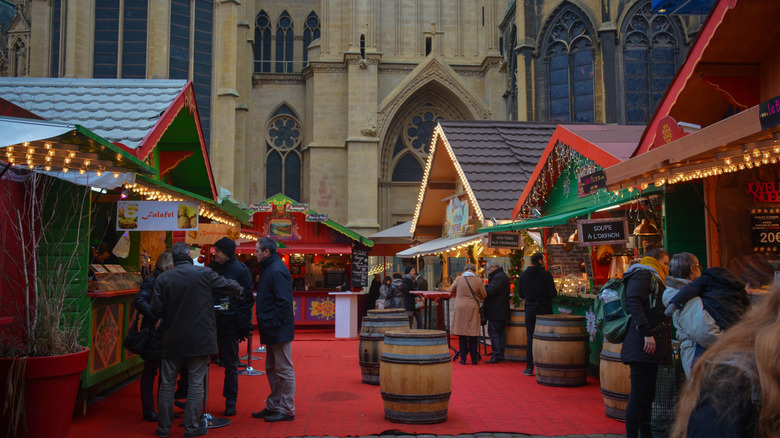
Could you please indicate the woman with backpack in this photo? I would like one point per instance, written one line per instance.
(648, 342)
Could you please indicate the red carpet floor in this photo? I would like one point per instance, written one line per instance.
(332, 400)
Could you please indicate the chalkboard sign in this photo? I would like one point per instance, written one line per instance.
(318, 217)
(588, 266)
(769, 113)
(765, 229)
(359, 268)
(504, 240)
(603, 231)
(556, 270)
(594, 181)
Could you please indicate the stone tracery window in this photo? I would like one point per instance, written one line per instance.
(284, 44)
(650, 44)
(262, 43)
(568, 55)
(413, 146)
(311, 32)
(283, 157)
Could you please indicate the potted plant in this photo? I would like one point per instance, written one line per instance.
(45, 224)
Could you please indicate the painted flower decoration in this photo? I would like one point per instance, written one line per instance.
(590, 323)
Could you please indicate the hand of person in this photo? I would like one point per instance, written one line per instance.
(157, 324)
(649, 344)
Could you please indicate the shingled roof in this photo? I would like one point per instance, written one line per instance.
(120, 110)
(497, 158)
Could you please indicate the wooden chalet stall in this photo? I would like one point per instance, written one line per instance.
(323, 257)
(721, 181)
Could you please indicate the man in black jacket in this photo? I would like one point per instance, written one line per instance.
(496, 306)
(537, 288)
(276, 324)
(234, 323)
(183, 299)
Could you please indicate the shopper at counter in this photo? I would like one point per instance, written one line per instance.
(235, 322)
(152, 358)
(537, 288)
(183, 298)
(469, 291)
(497, 308)
(409, 284)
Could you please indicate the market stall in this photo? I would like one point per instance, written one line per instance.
(729, 168)
(322, 256)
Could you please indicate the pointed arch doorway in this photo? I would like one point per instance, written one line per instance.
(406, 145)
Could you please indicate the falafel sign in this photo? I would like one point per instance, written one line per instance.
(156, 216)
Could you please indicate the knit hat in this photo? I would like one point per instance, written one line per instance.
(227, 246)
(408, 269)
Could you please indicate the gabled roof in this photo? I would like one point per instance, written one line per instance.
(156, 119)
(605, 145)
(722, 69)
(120, 110)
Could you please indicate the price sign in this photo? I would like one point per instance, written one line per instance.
(765, 230)
(359, 267)
(593, 181)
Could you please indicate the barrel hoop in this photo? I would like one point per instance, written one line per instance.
(414, 399)
(620, 396)
(561, 336)
(610, 356)
(369, 364)
(372, 336)
(416, 359)
(431, 417)
(516, 323)
(557, 366)
(395, 340)
(574, 322)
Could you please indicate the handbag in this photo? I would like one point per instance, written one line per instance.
(482, 319)
(136, 338)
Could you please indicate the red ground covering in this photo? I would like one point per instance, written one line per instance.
(332, 400)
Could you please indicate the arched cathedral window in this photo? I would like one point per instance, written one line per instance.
(568, 56)
(262, 43)
(311, 32)
(283, 160)
(284, 44)
(413, 146)
(650, 44)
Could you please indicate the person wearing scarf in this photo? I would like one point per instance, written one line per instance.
(648, 342)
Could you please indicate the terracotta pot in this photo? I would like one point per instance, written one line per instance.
(51, 385)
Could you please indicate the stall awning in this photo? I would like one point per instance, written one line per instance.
(441, 244)
(604, 201)
(315, 248)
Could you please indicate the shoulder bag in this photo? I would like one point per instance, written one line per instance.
(482, 320)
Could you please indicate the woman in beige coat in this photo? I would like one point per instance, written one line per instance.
(465, 318)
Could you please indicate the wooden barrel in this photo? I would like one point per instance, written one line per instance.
(372, 333)
(560, 350)
(415, 376)
(615, 379)
(387, 312)
(516, 341)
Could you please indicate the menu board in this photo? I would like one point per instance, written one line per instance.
(603, 231)
(359, 268)
(156, 215)
(765, 229)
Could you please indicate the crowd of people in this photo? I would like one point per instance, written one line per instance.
(728, 348)
(202, 313)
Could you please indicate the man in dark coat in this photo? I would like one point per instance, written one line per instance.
(234, 323)
(537, 288)
(183, 298)
(496, 306)
(276, 324)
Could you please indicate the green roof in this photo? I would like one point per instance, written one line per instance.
(226, 205)
(280, 200)
(596, 203)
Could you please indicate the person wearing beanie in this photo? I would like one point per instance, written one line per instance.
(234, 323)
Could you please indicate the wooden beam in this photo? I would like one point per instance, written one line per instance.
(730, 130)
(734, 70)
(441, 185)
(456, 195)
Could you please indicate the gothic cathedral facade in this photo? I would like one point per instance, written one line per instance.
(333, 102)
